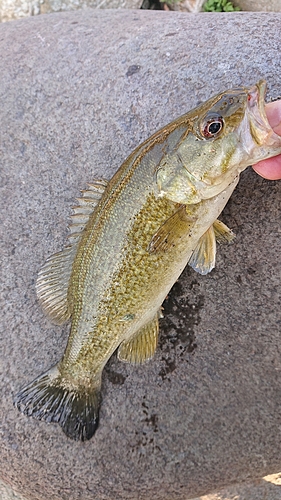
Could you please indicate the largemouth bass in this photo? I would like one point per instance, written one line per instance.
(130, 240)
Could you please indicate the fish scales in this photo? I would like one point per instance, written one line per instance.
(120, 284)
(104, 236)
(130, 244)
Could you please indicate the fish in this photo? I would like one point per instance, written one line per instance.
(130, 239)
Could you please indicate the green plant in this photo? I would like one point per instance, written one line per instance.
(219, 6)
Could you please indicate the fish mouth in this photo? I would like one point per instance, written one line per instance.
(260, 128)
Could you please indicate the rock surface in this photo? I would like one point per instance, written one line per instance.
(187, 5)
(78, 92)
(258, 5)
(17, 9)
(268, 488)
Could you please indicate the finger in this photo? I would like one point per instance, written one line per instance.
(271, 168)
(273, 113)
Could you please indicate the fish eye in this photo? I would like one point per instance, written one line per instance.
(212, 127)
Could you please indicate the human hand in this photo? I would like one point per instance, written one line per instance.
(271, 168)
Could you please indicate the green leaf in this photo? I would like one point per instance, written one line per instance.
(219, 6)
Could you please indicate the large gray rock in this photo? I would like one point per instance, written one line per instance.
(258, 5)
(268, 488)
(78, 92)
(17, 9)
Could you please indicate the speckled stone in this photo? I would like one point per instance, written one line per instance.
(268, 488)
(78, 92)
(18, 9)
(187, 5)
(258, 5)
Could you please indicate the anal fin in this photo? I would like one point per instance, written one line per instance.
(142, 346)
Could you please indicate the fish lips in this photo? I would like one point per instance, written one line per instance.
(260, 128)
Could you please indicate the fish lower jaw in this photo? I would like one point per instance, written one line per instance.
(268, 149)
(215, 189)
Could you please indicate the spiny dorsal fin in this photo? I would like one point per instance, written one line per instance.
(142, 346)
(53, 279)
(203, 258)
(222, 233)
(87, 203)
(171, 231)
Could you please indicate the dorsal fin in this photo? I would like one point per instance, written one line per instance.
(86, 204)
(53, 279)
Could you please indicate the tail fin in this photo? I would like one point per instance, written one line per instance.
(48, 398)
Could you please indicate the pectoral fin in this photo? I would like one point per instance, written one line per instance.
(142, 346)
(171, 231)
(203, 258)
